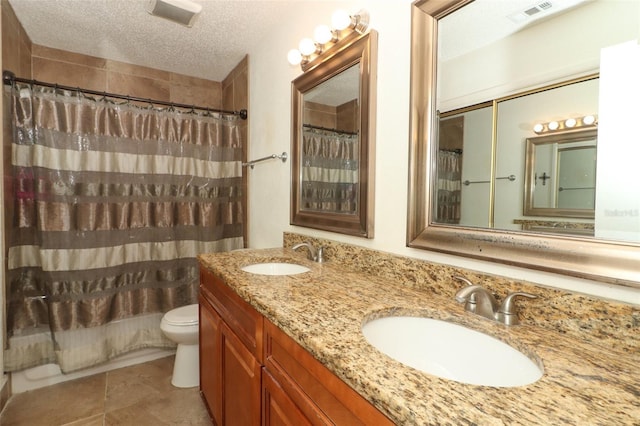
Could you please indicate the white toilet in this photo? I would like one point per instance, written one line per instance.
(181, 326)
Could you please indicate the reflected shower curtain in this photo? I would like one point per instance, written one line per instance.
(330, 162)
(449, 186)
(111, 204)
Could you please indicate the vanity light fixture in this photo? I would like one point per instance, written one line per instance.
(324, 38)
(567, 124)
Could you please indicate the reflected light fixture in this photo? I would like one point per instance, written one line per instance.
(184, 12)
(342, 24)
(567, 124)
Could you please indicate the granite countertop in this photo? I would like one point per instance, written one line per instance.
(584, 382)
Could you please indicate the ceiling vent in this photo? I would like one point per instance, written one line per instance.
(183, 12)
(530, 12)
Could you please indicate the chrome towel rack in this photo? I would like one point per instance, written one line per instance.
(510, 178)
(252, 163)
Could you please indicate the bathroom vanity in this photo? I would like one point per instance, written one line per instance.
(252, 373)
(289, 349)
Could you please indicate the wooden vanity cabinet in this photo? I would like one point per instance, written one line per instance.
(320, 395)
(252, 373)
(230, 354)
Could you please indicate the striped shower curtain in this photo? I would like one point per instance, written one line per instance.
(449, 190)
(330, 164)
(111, 203)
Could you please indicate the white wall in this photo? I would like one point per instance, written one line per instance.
(618, 203)
(270, 122)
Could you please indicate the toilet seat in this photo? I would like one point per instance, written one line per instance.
(183, 316)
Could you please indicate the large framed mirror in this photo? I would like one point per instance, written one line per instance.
(560, 175)
(458, 66)
(333, 139)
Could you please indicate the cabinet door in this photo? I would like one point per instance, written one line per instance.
(211, 360)
(240, 382)
(277, 407)
(317, 392)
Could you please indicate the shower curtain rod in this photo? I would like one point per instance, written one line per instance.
(309, 126)
(8, 77)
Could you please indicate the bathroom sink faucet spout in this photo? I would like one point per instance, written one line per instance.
(486, 304)
(480, 301)
(317, 255)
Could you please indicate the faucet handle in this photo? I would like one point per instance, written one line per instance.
(470, 302)
(320, 254)
(508, 313)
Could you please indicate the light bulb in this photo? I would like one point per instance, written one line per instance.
(538, 128)
(553, 125)
(294, 57)
(570, 122)
(307, 46)
(322, 34)
(340, 19)
(588, 120)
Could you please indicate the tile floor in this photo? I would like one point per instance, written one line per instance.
(137, 395)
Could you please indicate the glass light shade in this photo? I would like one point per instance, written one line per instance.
(538, 128)
(570, 122)
(294, 57)
(588, 120)
(553, 125)
(307, 46)
(340, 19)
(322, 34)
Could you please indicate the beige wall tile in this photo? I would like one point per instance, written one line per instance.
(319, 115)
(69, 74)
(16, 46)
(347, 116)
(235, 87)
(65, 56)
(227, 97)
(140, 87)
(241, 90)
(137, 70)
(205, 93)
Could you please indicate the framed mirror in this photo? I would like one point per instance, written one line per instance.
(456, 67)
(560, 175)
(333, 146)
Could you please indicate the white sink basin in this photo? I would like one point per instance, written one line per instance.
(451, 351)
(274, 268)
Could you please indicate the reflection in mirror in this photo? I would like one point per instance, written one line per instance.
(465, 133)
(333, 110)
(561, 174)
(541, 68)
(330, 145)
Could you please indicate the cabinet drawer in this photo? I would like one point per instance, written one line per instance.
(319, 394)
(241, 317)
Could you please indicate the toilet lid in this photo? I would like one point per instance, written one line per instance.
(185, 315)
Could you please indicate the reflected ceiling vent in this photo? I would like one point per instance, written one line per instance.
(183, 12)
(531, 12)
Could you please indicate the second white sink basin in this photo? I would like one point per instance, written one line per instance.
(275, 268)
(451, 351)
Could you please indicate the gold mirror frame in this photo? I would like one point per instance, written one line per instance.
(353, 50)
(529, 174)
(606, 261)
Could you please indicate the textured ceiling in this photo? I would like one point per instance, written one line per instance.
(223, 33)
(123, 30)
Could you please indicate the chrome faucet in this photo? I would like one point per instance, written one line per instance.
(317, 255)
(478, 300)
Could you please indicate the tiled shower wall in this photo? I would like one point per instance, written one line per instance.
(343, 117)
